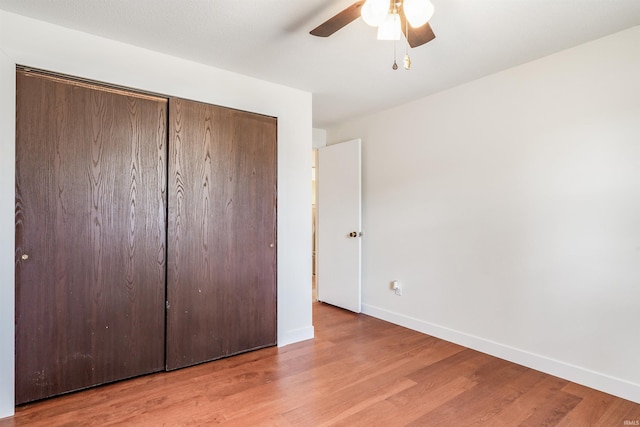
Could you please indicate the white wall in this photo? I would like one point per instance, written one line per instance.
(37, 44)
(509, 209)
(319, 138)
(7, 231)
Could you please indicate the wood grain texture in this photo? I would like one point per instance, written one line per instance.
(221, 275)
(416, 36)
(358, 371)
(339, 20)
(90, 215)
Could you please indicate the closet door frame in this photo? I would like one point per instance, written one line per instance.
(264, 320)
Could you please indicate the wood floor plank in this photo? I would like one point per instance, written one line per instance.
(398, 412)
(618, 412)
(358, 371)
(482, 403)
(525, 410)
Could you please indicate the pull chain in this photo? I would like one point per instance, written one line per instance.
(395, 64)
(407, 59)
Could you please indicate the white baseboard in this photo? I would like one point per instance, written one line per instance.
(576, 374)
(295, 336)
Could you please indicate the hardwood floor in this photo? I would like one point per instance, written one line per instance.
(358, 371)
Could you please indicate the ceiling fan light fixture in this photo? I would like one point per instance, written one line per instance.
(417, 12)
(390, 28)
(374, 11)
(392, 17)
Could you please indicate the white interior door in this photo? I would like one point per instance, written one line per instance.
(339, 225)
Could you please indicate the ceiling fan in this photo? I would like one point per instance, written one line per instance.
(392, 17)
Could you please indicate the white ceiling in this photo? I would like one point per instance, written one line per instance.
(350, 72)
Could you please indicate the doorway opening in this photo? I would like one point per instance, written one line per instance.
(314, 246)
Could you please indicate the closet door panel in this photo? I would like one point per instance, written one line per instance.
(221, 276)
(90, 235)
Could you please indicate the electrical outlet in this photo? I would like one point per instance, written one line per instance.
(395, 286)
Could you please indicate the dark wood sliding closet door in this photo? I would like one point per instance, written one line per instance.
(90, 235)
(221, 276)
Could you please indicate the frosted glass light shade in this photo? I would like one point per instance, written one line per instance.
(390, 28)
(418, 12)
(374, 11)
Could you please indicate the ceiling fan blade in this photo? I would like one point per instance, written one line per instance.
(338, 21)
(417, 36)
